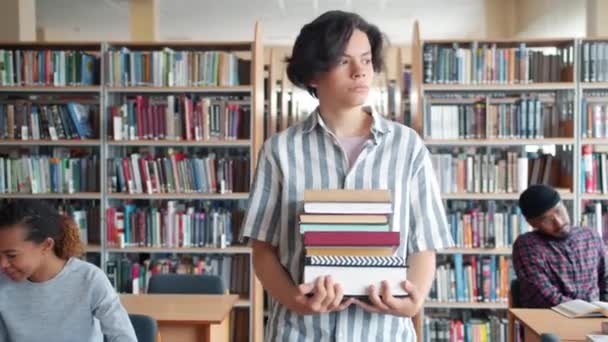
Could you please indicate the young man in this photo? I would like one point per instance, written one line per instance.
(556, 262)
(342, 144)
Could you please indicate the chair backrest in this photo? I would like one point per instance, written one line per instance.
(186, 284)
(514, 294)
(145, 327)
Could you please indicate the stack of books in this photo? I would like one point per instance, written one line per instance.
(347, 235)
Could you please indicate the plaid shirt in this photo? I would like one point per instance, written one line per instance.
(552, 271)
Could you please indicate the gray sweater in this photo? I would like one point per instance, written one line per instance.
(77, 305)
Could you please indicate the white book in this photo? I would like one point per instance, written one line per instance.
(579, 308)
(117, 124)
(355, 281)
(522, 174)
(348, 208)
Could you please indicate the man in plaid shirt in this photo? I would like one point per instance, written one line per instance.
(557, 262)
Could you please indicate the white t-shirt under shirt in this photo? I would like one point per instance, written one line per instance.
(353, 147)
(76, 305)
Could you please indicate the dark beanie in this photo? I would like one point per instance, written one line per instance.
(537, 199)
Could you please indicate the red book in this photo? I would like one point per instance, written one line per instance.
(351, 239)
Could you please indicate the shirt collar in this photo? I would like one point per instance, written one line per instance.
(379, 124)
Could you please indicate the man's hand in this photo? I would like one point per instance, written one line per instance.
(326, 297)
(384, 302)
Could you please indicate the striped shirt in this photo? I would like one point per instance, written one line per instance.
(308, 156)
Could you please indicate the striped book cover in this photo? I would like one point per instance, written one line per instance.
(355, 261)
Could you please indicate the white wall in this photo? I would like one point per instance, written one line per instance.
(234, 19)
(551, 18)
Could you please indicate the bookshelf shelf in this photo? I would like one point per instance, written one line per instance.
(499, 142)
(457, 305)
(476, 251)
(594, 141)
(186, 196)
(143, 90)
(80, 195)
(62, 142)
(594, 85)
(594, 197)
(49, 89)
(181, 143)
(499, 87)
(493, 196)
(92, 248)
(184, 250)
(207, 45)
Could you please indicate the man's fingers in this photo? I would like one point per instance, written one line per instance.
(375, 299)
(329, 292)
(345, 304)
(365, 306)
(387, 297)
(306, 288)
(338, 295)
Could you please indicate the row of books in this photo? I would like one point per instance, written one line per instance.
(594, 169)
(171, 68)
(176, 172)
(46, 67)
(472, 279)
(595, 216)
(442, 329)
(47, 174)
(494, 228)
(505, 172)
(595, 62)
(347, 232)
(87, 217)
(530, 118)
(129, 275)
(594, 118)
(478, 63)
(25, 120)
(174, 224)
(180, 118)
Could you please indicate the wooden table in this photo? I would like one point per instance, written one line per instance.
(185, 318)
(538, 321)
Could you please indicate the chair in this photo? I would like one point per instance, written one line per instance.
(514, 294)
(145, 327)
(186, 284)
(514, 302)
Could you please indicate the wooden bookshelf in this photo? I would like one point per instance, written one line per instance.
(499, 87)
(164, 90)
(182, 196)
(80, 195)
(183, 143)
(61, 142)
(103, 95)
(49, 89)
(498, 142)
(476, 251)
(473, 93)
(183, 250)
(464, 305)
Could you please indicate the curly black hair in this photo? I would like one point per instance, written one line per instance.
(42, 221)
(321, 44)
